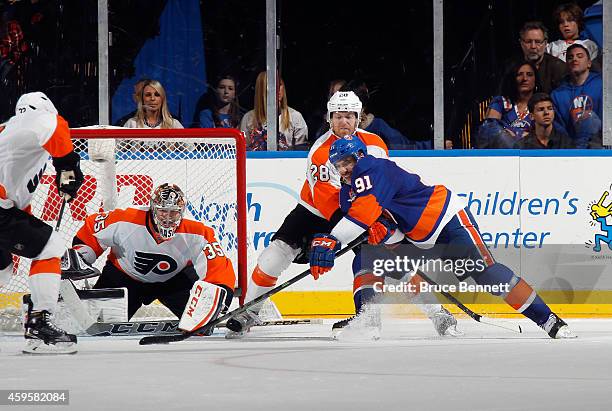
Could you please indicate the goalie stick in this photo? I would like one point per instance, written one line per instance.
(167, 327)
(164, 339)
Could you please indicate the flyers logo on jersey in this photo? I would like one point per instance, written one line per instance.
(159, 264)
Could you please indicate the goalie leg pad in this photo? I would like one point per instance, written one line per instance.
(75, 306)
(205, 302)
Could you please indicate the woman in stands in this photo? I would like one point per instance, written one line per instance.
(507, 120)
(222, 109)
(152, 111)
(292, 129)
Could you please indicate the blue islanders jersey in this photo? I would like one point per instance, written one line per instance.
(518, 123)
(420, 210)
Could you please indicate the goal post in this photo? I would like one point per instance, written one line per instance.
(121, 168)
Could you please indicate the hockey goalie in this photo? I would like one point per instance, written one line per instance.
(157, 254)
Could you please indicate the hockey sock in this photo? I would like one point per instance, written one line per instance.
(523, 298)
(272, 261)
(44, 283)
(260, 284)
(519, 295)
(363, 288)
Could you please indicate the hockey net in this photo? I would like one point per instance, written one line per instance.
(121, 168)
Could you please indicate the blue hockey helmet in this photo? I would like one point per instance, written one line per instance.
(345, 147)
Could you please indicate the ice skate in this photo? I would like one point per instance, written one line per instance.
(339, 326)
(366, 325)
(44, 337)
(445, 323)
(240, 324)
(556, 328)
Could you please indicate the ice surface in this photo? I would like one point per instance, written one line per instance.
(299, 367)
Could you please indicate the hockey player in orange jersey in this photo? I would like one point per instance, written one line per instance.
(27, 139)
(157, 254)
(319, 209)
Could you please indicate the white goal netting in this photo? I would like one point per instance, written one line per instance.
(121, 168)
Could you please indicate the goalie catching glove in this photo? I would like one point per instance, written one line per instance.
(206, 301)
(323, 250)
(69, 176)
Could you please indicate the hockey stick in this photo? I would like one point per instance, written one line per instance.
(61, 214)
(476, 317)
(170, 327)
(164, 339)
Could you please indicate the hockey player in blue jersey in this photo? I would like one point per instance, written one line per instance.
(425, 215)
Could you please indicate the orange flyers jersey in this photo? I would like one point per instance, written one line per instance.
(136, 250)
(322, 186)
(26, 141)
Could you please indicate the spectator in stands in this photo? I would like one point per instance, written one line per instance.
(136, 97)
(578, 101)
(152, 110)
(533, 38)
(543, 134)
(507, 120)
(393, 138)
(292, 129)
(222, 109)
(569, 19)
(321, 115)
(15, 58)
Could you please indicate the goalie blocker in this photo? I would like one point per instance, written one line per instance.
(206, 302)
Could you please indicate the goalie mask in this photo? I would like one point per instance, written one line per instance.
(167, 207)
(344, 101)
(35, 102)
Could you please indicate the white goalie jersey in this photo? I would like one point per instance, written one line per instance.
(138, 251)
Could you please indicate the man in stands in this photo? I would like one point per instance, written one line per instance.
(543, 135)
(578, 102)
(533, 38)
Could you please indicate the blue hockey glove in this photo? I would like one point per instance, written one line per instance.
(322, 254)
